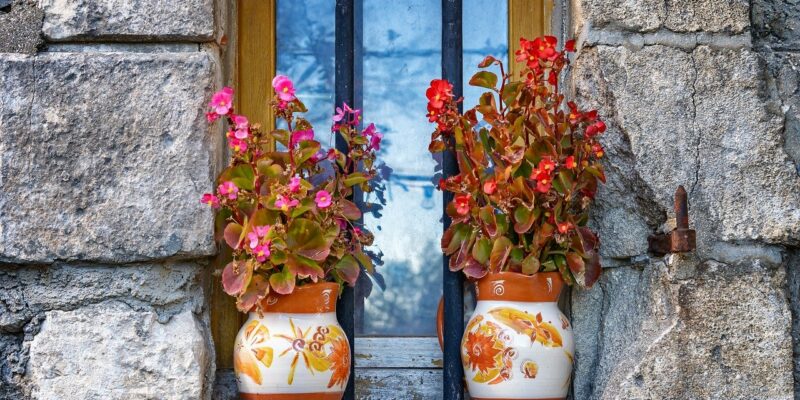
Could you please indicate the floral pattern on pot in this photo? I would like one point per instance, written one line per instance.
(253, 350)
(322, 348)
(485, 350)
(528, 325)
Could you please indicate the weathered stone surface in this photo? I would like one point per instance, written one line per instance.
(225, 386)
(126, 19)
(104, 156)
(785, 69)
(112, 352)
(793, 286)
(777, 22)
(701, 119)
(29, 291)
(20, 27)
(747, 187)
(666, 331)
(726, 16)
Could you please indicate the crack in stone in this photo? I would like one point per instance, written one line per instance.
(698, 132)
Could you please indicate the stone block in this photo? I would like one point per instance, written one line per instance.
(111, 352)
(20, 27)
(717, 16)
(103, 156)
(128, 19)
(777, 23)
(703, 119)
(666, 332)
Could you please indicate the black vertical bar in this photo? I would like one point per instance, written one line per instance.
(453, 289)
(343, 81)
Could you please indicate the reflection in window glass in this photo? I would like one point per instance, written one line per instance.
(485, 34)
(305, 43)
(401, 54)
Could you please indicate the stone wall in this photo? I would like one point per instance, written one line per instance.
(104, 153)
(702, 94)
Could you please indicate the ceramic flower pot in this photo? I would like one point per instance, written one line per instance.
(295, 350)
(518, 344)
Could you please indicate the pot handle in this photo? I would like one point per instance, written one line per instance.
(440, 322)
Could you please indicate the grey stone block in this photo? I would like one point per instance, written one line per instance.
(128, 20)
(20, 27)
(103, 156)
(109, 351)
(681, 329)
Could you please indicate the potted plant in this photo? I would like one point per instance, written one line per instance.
(295, 240)
(528, 172)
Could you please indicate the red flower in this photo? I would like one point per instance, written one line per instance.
(438, 93)
(598, 150)
(489, 186)
(569, 163)
(591, 131)
(462, 203)
(543, 179)
(601, 126)
(569, 45)
(547, 165)
(552, 78)
(564, 227)
(545, 47)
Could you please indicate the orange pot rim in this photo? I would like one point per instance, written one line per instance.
(313, 298)
(515, 286)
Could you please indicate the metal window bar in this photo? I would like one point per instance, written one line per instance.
(344, 78)
(453, 284)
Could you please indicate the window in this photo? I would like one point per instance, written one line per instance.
(387, 53)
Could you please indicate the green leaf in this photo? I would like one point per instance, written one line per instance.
(484, 79)
(500, 250)
(350, 210)
(510, 92)
(236, 276)
(256, 290)
(305, 150)
(530, 265)
(453, 237)
(356, 178)
(487, 62)
(365, 261)
(233, 235)
(277, 257)
(575, 262)
(482, 250)
(281, 135)
(347, 269)
(304, 267)
(241, 175)
(524, 218)
(282, 282)
(305, 237)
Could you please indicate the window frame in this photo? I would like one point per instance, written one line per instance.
(378, 358)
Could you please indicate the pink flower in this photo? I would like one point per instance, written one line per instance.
(228, 189)
(222, 101)
(240, 121)
(252, 237)
(211, 117)
(370, 130)
(342, 223)
(211, 200)
(318, 156)
(375, 141)
(323, 199)
(301, 136)
(294, 184)
(262, 252)
(340, 112)
(285, 203)
(283, 87)
(241, 134)
(262, 230)
(239, 146)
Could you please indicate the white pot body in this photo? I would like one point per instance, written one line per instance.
(287, 356)
(518, 350)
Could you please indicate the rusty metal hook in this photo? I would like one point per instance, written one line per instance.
(681, 239)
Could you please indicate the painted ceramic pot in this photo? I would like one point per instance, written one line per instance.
(295, 350)
(518, 344)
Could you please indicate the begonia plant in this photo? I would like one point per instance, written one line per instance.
(286, 214)
(529, 169)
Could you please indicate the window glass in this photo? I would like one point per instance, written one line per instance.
(401, 53)
(305, 43)
(485, 32)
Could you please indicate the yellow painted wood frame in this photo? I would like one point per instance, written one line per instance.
(528, 19)
(255, 67)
